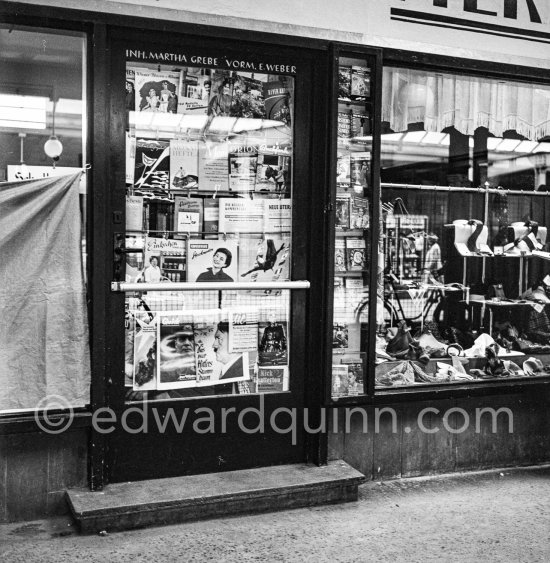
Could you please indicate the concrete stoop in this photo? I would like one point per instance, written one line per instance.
(122, 506)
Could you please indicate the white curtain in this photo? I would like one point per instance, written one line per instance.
(44, 326)
(465, 102)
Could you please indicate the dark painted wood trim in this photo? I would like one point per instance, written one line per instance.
(26, 423)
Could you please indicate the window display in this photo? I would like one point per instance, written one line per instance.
(353, 206)
(465, 207)
(209, 159)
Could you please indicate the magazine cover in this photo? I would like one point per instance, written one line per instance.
(273, 172)
(240, 215)
(360, 83)
(356, 253)
(272, 341)
(339, 380)
(360, 170)
(343, 210)
(359, 218)
(130, 158)
(188, 215)
(145, 352)
(184, 165)
(243, 330)
(340, 335)
(221, 94)
(155, 248)
(213, 174)
(194, 91)
(340, 255)
(354, 291)
(272, 379)
(360, 124)
(204, 330)
(343, 169)
(264, 259)
(130, 101)
(212, 260)
(277, 215)
(277, 100)
(344, 82)
(248, 98)
(227, 366)
(242, 171)
(176, 350)
(211, 217)
(355, 367)
(157, 91)
(152, 166)
(134, 213)
(344, 124)
(134, 256)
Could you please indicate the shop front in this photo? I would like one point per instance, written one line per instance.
(286, 248)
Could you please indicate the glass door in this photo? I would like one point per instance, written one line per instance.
(214, 293)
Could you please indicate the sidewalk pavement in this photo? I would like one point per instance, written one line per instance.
(479, 516)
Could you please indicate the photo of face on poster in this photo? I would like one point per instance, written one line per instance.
(176, 351)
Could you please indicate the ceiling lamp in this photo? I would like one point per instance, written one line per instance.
(53, 146)
(23, 167)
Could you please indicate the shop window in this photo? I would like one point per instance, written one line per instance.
(209, 185)
(464, 179)
(44, 329)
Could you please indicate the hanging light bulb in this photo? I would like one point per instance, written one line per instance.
(24, 171)
(53, 146)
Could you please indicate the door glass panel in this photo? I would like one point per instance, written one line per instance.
(209, 158)
(352, 226)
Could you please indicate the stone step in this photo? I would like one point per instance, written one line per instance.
(122, 506)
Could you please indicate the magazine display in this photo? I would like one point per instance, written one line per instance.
(145, 352)
(340, 255)
(156, 91)
(130, 158)
(360, 83)
(360, 124)
(356, 254)
(272, 342)
(204, 330)
(272, 379)
(242, 172)
(359, 170)
(194, 91)
(134, 213)
(212, 260)
(273, 172)
(343, 165)
(241, 215)
(277, 104)
(359, 217)
(243, 330)
(176, 351)
(248, 98)
(344, 83)
(343, 210)
(184, 164)
(264, 259)
(340, 384)
(152, 166)
(209, 154)
(344, 125)
(213, 167)
(188, 215)
(355, 370)
(211, 219)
